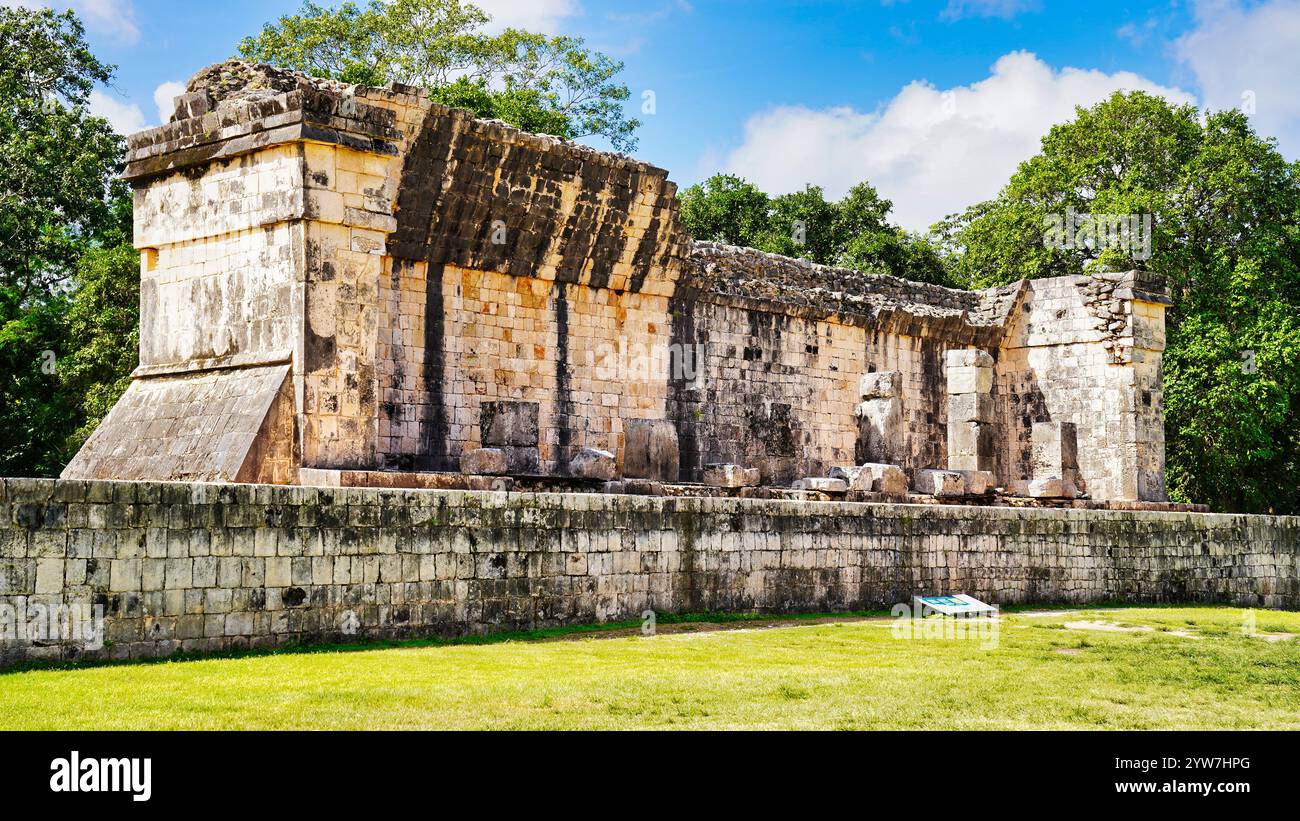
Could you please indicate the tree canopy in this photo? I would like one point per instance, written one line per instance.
(58, 164)
(854, 232)
(554, 85)
(69, 279)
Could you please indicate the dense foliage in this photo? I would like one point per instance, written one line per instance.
(854, 232)
(552, 85)
(69, 280)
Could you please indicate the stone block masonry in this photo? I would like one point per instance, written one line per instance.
(348, 279)
(206, 567)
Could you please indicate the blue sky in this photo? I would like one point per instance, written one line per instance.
(932, 102)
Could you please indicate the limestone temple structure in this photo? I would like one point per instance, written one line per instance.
(406, 373)
(344, 285)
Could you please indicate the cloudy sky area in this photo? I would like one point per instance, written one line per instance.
(934, 103)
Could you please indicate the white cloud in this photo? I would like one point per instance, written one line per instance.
(1137, 34)
(932, 151)
(126, 118)
(164, 96)
(114, 19)
(1006, 9)
(1249, 57)
(545, 16)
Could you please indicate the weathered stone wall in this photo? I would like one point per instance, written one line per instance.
(478, 336)
(207, 567)
(1072, 355)
(769, 390)
(784, 347)
(409, 263)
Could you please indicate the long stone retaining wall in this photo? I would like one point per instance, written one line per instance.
(202, 567)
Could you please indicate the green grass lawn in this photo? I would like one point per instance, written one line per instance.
(1167, 668)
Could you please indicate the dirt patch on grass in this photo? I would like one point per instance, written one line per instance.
(1111, 627)
(692, 627)
(1276, 636)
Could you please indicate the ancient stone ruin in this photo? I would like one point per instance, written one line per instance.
(355, 286)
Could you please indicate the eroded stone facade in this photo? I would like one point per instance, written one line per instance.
(401, 264)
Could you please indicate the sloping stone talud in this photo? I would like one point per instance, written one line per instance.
(350, 279)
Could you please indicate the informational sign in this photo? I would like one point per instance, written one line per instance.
(958, 605)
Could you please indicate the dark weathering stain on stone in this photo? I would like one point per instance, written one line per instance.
(753, 429)
(464, 179)
(419, 189)
(563, 395)
(433, 423)
(934, 387)
(682, 399)
(645, 253)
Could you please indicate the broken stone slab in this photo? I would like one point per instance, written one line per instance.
(871, 477)
(968, 358)
(821, 484)
(484, 462)
(1052, 488)
(318, 477)
(890, 480)
(881, 385)
(522, 461)
(650, 449)
(978, 482)
(635, 487)
(592, 463)
(849, 473)
(726, 475)
(1018, 487)
(939, 483)
(508, 423)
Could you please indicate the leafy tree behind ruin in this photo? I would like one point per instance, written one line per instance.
(552, 85)
(1225, 208)
(854, 232)
(69, 280)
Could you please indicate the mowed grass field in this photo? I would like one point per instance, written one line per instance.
(1131, 668)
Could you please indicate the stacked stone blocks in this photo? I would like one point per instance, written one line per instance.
(206, 567)
(414, 266)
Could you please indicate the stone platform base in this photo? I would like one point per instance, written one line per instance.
(203, 567)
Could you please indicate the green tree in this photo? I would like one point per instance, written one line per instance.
(869, 242)
(725, 208)
(104, 321)
(852, 233)
(36, 413)
(56, 161)
(550, 84)
(1224, 207)
(64, 223)
(802, 224)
